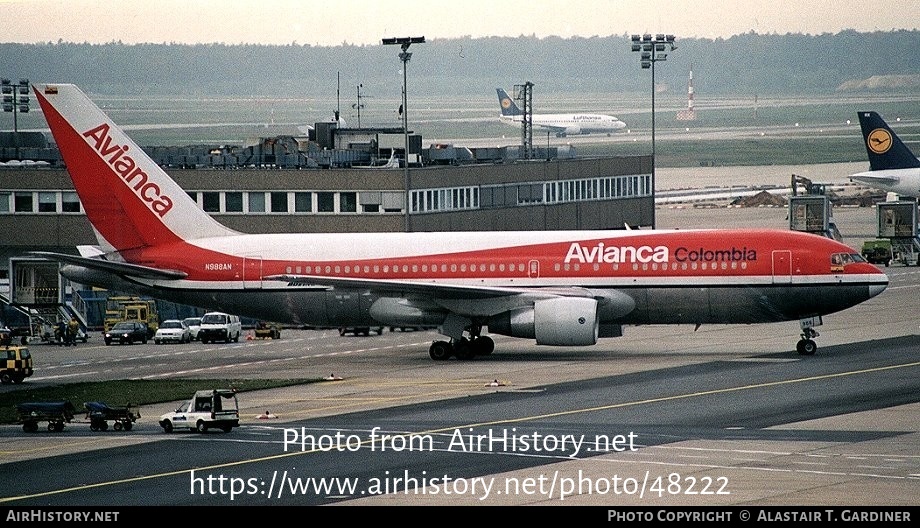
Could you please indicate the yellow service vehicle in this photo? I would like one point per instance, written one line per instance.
(265, 330)
(119, 309)
(15, 363)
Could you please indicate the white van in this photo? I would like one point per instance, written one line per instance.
(218, 326)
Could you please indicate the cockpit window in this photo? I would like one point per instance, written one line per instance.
(842, 259)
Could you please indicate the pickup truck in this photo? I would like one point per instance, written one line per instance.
(213, 408)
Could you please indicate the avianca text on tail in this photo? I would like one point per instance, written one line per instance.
(557, 288)
(123, 164)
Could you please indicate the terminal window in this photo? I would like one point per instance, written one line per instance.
(233, 202)
(70, 202)
(325, 202)
(210, 202)
(279, 202)
(257, 202)
(22, 202)
(303, 202)
(47, 202)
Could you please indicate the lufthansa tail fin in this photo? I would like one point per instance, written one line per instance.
(884, 147)
(507, 104)
(130, 201)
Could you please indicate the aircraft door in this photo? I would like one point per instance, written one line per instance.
(782, 266)
(252, 272)
(533, 269)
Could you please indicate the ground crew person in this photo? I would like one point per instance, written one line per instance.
(73, 327)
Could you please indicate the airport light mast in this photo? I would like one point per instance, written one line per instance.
(652, 51)
(404, 56)
(15, 100)
(358, 106)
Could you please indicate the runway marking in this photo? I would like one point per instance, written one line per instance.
(675, 397)
(250, 363)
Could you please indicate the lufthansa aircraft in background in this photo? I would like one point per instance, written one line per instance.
(560, 124)
(892, 166)
(564, 288)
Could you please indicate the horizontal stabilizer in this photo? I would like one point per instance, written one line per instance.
(870, 178)
(120, 268)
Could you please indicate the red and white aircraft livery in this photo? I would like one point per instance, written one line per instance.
(565, 288)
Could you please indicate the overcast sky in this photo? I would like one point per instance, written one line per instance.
(333, 22)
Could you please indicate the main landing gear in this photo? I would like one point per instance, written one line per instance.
(464, 348)
(806, 346)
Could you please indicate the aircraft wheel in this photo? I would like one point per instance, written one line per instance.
(483, 345)
(806, 347)
(464, 349)
(440, 350)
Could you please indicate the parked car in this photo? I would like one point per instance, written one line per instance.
(128, 332)
(172, 331)
(218, 326)
(360, 330)
(194, 326)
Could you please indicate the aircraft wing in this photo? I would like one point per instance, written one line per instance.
(429, 289)
(463, 298)
(553, 128)
(108, 266)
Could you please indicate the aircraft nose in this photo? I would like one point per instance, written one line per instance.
(877, 288)
(878, 283)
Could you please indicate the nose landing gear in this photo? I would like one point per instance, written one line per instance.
(806, 346)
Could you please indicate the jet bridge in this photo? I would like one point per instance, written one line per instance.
(813, 214)
(812, 211)
(37, 291)
(897, 221)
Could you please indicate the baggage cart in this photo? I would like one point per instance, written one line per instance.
(100, 414)
(57, 414)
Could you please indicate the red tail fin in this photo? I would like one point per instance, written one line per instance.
(129, 199)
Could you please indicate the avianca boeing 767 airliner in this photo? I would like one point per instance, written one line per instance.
(563, 288)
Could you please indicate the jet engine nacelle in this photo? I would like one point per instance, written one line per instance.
(563, 321)
(396, 311)
(572, 131)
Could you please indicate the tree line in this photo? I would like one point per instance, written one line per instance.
(766, 64)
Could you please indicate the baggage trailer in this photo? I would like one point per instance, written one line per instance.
(100, 414)
(55, 413)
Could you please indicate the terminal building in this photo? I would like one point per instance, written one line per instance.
(333, 183)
